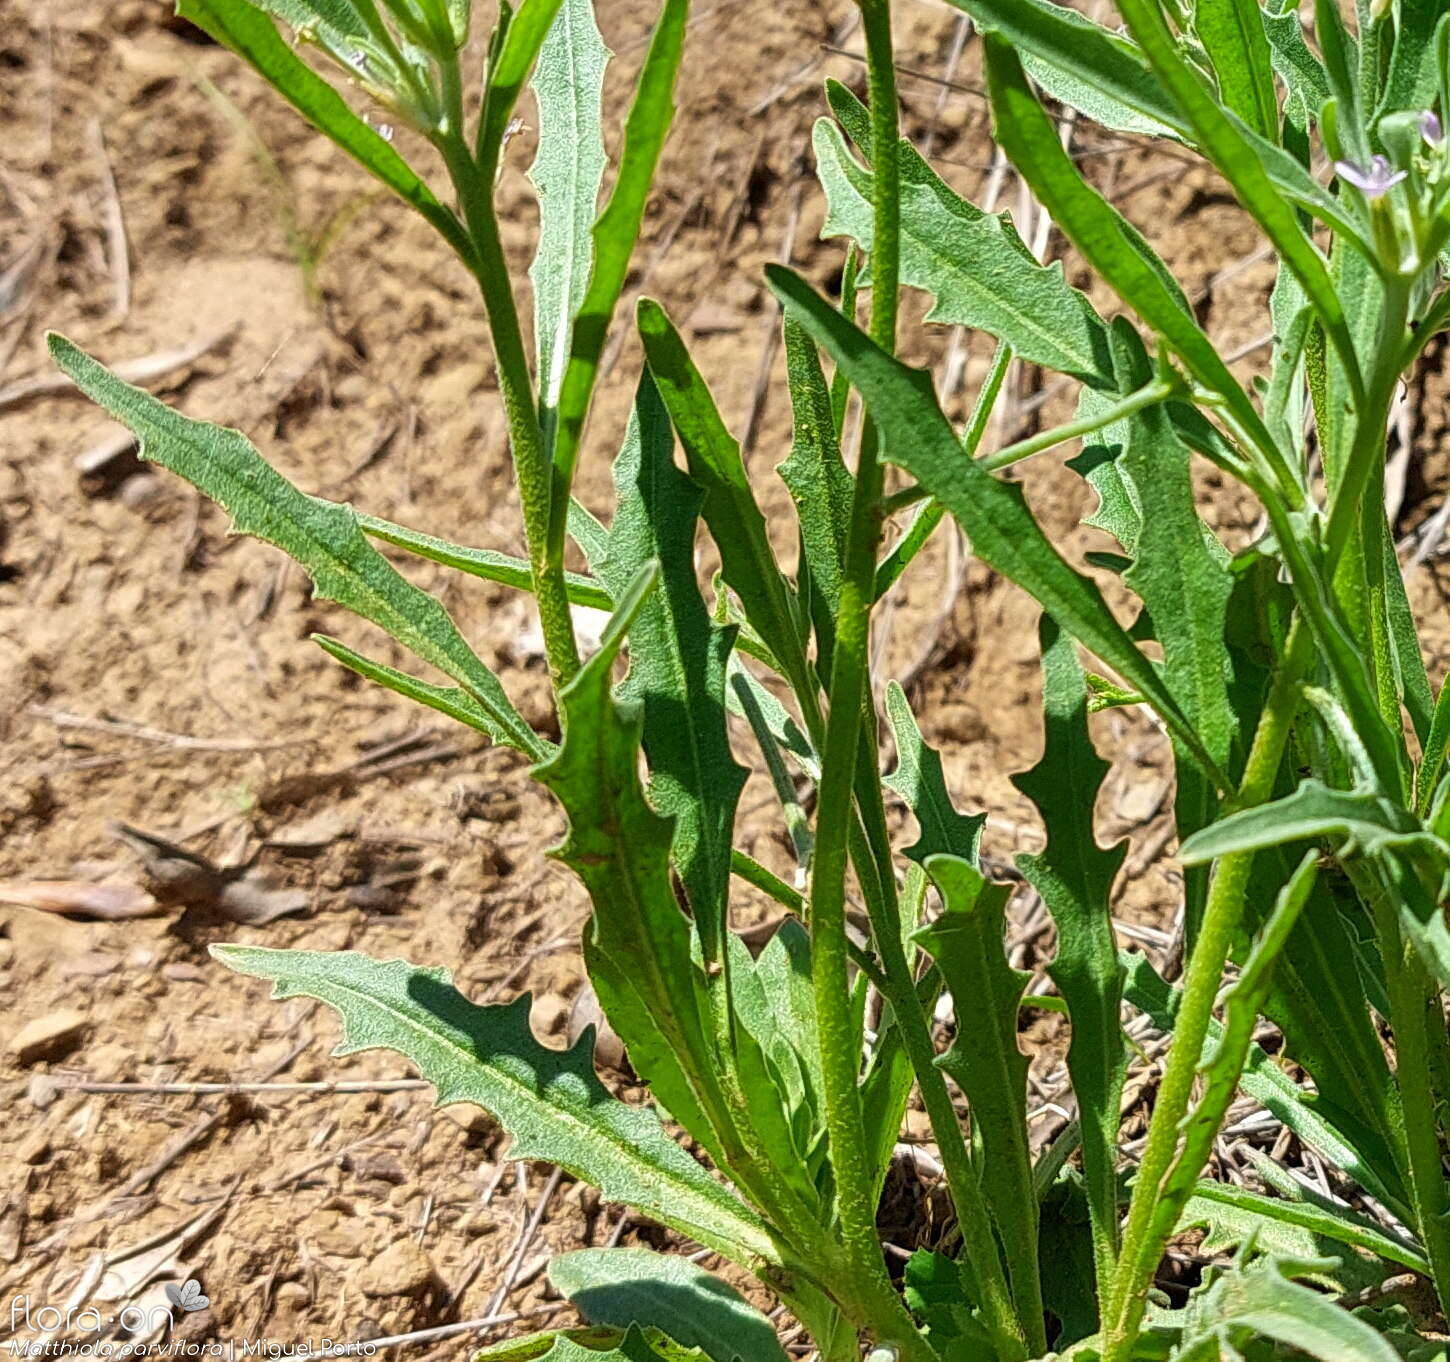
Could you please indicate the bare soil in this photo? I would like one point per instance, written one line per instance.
(157, 674)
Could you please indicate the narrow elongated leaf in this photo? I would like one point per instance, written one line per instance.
(1411, 79)
(1226, 146)
(1232, 33)
(1182, 581)
(523, 31)
(1262, 1079)
(1075, 878)
(779, 721)
(1297, 66)
(1242, 1003)
(712, 455)
(918, 779)
(242, 27)
(638, 947)
(568, 84)
(617, 229)
(1236, 1215)
(453, 701)
(322, 536)
(1411, 680)
(1082, 64)
(1107, 78)
(973, 263)
(819, 484)
(1181, 575)
(1263, 1297)
(677, 663)
(773, 1000)
(1317, 998)
(1360, 822)
(550, 1102)
(332, 23)
(624, 1286)
(1113, 247)
(984, 1060)
(492, 566)
(994, 514)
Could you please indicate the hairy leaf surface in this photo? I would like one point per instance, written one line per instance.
(677, 662)
(568, 169)
(1075, 878)
(549, 1101)
(973, 263)
(919, 780)
(993, 512)
(736, 523)
(1263, 1297)
(985, 1060)
(624, 1286)
(638, 948)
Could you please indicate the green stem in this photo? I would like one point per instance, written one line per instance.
(1368, 446)
(840, 1049)
(1414, 1009)
(1142, 1246)
(474, 186)
(1017, 1333)
(1150, 394)
(930, 516)
(1147, 396)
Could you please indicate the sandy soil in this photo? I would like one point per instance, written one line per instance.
(158, 675)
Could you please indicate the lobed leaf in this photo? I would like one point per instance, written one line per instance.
(933, 1286)
(1238, 160)
(628, 1286)
(994, 514)
(736, 523)
(677, 663)
(918, 779)
(322, 536)
(638, 948)
(984, 1060)
(1110, 244)
(1075, 878)
(973, 263)
(1300, 70)
(549, 1101)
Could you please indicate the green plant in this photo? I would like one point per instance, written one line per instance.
(1312, 803)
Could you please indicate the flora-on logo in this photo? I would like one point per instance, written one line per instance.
(187, 1296)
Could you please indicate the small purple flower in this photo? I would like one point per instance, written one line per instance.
(1373, 182)
(1430, 129)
